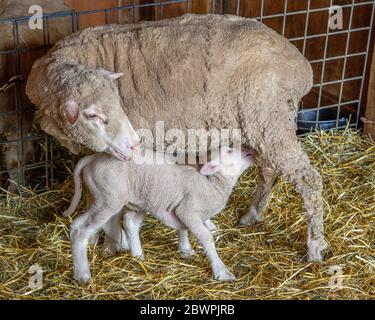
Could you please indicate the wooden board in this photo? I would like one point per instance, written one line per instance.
(369, 128)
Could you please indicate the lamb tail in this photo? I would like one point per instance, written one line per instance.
(77, 185)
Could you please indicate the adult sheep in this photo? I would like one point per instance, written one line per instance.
(28, 39)
(192, 72)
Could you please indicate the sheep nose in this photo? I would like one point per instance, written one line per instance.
(136, 146)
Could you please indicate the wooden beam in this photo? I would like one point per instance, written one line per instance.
(370, 108)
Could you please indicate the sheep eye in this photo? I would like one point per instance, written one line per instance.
(97, 117)
(92, 116)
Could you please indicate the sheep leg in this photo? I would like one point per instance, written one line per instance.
(89, 201)
(81, 230)
(184, 245)
(11, 160)
(266, 181)
(204, 236)
(132, 225)
(115, 238)
(296, 168)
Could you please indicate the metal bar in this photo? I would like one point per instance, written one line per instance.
(238, 8)
(106, 16)
(18, 101)
(345, 62)
(134, 13)
(261, 11)
(119, 11)
(284, 17)
(74, 22)
(337, 81)
(161, 10)
(51, 157)
(306, 27)
(188, 6)
(323, 69)
(350, 55)
(30, 138)
(213, 6)
(320, 35)
(331, 106)
(291, 13)
(29, 167)
(46, 42)
(26, 18)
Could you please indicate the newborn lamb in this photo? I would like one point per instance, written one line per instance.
(179, 196)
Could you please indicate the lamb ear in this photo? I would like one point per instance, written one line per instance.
(71, 111)
(209, 168)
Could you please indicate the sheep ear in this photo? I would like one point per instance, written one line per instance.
(112, 75)
(71, 111)
(115, 76)
(209, 169)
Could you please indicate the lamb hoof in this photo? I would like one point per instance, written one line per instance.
(109, 249)
(140, 257)
(66, 213)
(250, 220)
(94, 239)
(106, 253)
(316, 249)
(124, 245)
(225, 276)
(187, 254)
(83, 276)
(210, 225)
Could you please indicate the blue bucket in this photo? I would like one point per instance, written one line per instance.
(306, 120)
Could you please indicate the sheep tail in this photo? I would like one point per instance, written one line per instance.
(77, 184)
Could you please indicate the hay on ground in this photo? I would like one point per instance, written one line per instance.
(269, 259)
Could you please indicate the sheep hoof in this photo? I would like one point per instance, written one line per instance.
(187, 254)
(82, 276)
(315, 250)
(225, 276)
(250, 220)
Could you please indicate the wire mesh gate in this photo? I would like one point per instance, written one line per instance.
(339, 74)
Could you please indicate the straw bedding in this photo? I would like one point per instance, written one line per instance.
(268, 259)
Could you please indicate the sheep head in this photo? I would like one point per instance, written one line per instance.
(82, 107)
